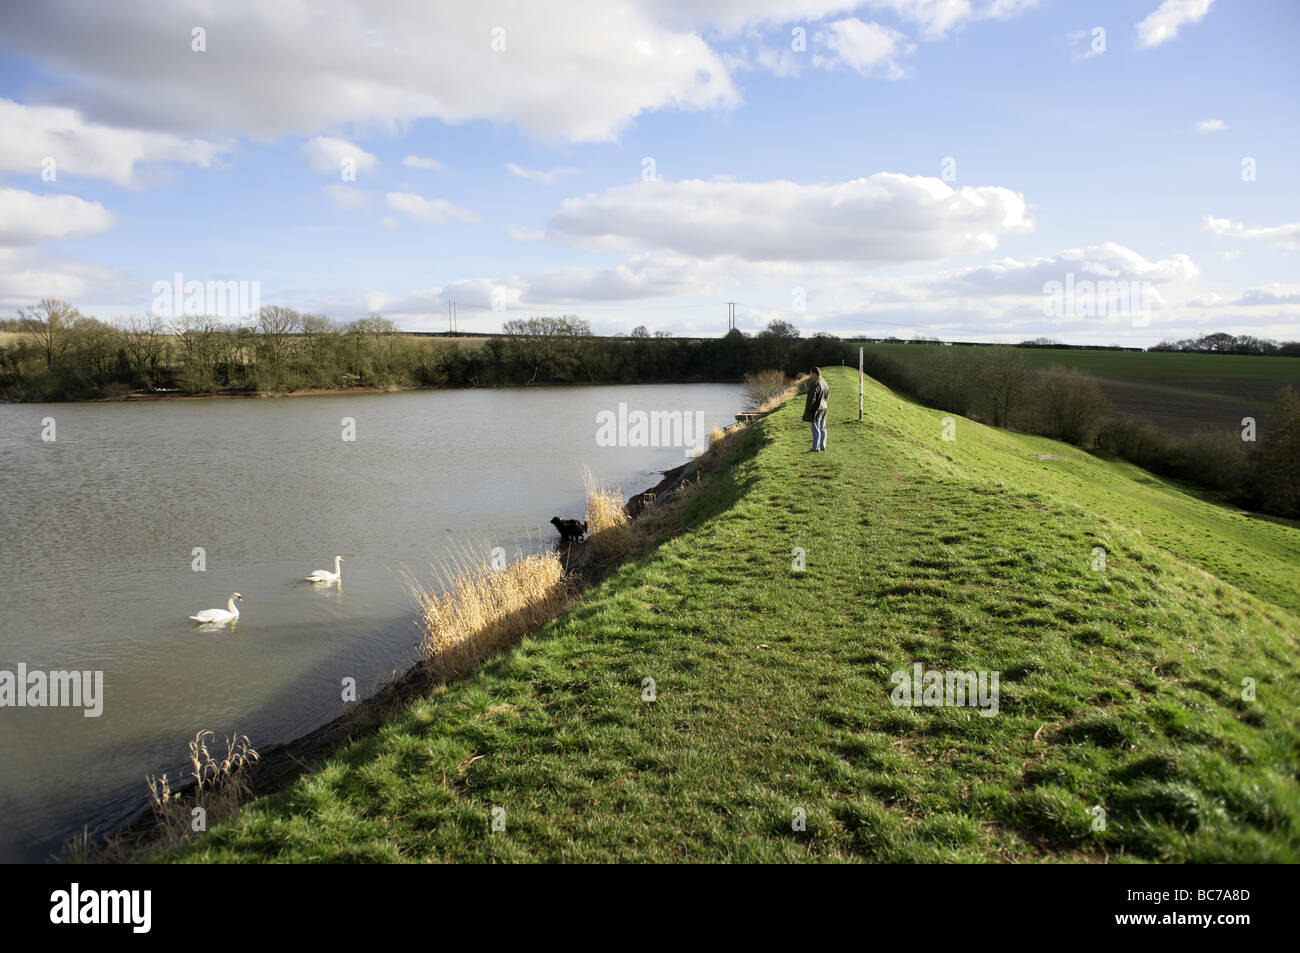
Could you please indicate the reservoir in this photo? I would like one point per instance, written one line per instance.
(137, 515)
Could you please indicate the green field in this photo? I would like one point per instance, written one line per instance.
(1121, 685)
(1133, 365)
(1182, 393)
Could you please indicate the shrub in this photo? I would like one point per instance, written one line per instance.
(763, 386)
(1276, 470)
(1068, 405)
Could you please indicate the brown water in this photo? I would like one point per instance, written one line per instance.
(98, 529)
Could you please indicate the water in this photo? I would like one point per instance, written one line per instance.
(98, 531)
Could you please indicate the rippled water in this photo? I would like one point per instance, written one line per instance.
(99, 526)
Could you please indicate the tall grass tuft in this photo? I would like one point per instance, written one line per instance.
(479, 611)
(609, 528)
(219, 787)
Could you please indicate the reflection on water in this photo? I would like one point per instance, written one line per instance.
(139, 515)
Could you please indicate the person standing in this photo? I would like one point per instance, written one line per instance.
(814, 409)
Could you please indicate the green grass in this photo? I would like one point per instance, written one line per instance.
(1120, 687)
(1133, 365)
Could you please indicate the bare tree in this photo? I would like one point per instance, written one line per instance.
(94, 345)
(1002, 376)
(145, 347)
(545, 342)
(277, 328)
(49, 323)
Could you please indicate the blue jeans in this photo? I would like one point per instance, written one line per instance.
(819, 433)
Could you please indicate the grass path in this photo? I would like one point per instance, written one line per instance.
(1119, 687)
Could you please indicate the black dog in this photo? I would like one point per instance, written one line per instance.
(569, 529)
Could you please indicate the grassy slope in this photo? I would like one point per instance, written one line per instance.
(1135, 365)
(1119, 688)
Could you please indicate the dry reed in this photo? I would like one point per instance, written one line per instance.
(219, 788)
(480, 610)
(610, 530)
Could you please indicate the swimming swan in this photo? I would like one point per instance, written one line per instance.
(228, 614)
(324, 575)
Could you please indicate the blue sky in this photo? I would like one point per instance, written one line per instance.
(912, 167)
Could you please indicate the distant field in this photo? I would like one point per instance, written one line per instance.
(9, 337)
(1182, 393)
(467, 341)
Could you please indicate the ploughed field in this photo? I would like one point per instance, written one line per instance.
(1144, 639)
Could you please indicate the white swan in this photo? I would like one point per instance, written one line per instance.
(229, 614)
(324, 575)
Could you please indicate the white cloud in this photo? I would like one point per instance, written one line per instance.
(423, 162)
(348, 196)
(328, 154)
(933, 17)
(1211, 125)
(867, 46)
(427, 210)
(1108, 261)
(887, 218)
(388, 222)
(1167, 19)
(731, 16)
(1008, 284)
(1274, 294)
(273, 69)
(526, 234)
(27, 218)
(1267, 297)
(427, 307)
(651, 276)
(1283, 236)
(538, 175)
(936, 18)
(29, 274)
(33, 134)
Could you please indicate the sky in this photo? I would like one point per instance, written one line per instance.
(990, 170)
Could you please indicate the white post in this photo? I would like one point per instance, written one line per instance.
(859, 383)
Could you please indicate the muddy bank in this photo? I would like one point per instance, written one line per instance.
(151, 396)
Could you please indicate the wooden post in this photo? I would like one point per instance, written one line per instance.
(859, 383)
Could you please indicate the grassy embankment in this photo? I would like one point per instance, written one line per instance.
(1120, 687)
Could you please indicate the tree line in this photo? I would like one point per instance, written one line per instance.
(62, 354)
(1222, 343)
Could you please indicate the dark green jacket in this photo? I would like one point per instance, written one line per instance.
(815, 407)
